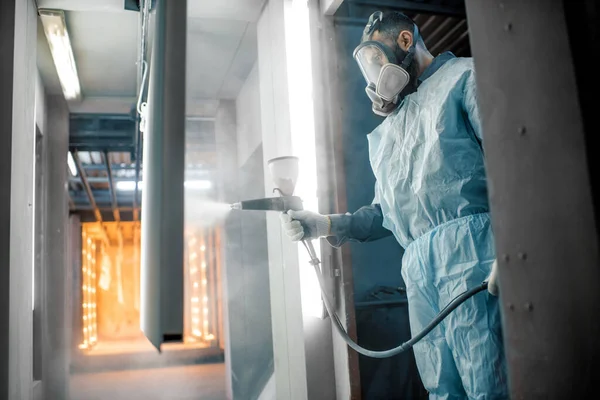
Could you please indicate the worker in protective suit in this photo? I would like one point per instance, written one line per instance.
(431, 194)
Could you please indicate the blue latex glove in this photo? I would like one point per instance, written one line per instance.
(300, 225)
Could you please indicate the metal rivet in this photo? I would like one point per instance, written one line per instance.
(508, 27)
(522, 256)
(511, 307)
(529, 306)
(522, 130)
(505, 257)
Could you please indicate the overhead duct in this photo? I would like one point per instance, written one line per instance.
(162, 307)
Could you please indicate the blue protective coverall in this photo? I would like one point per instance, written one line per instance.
(431, 194)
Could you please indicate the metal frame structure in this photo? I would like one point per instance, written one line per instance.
(104, 145)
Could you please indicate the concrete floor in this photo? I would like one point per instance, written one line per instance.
(193, 382)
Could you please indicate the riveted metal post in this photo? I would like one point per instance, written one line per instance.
(541, 201)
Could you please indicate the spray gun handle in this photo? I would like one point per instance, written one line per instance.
(293, 203)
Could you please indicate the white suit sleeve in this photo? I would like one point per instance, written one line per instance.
(471, 106)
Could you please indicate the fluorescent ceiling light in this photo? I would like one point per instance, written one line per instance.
(71, 164)
(198, 184)
(128, 186)
(55, 29)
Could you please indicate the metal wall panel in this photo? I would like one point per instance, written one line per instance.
(162, 197)
(18, 26)
(541, 201)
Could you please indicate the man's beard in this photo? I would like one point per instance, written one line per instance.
(413, 83)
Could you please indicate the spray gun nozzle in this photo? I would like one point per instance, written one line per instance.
(236, 206)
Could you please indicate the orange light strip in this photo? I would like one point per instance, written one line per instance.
(194, 290)
(88, 292)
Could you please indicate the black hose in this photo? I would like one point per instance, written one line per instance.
(458, 300)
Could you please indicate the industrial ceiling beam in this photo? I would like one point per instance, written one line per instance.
(87, 187)
(461, 39)
(438, 32)
(102, 208)
(441, 44)
(450, 8)
(111, 188)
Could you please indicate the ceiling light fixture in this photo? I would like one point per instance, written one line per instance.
(57, 35)
(71, 164)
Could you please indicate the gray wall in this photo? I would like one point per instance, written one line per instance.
(56, 274)
(18, 32)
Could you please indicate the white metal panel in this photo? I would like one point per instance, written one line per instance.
(249, 133)
(284, 276)
(241, 65)
(239, 10)
(212, 47)
(164, 149)
(83, 5)
(105, 48)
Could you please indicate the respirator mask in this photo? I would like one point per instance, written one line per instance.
(384, 69)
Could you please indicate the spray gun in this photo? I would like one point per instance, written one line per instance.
(283, 204)
(284, 172)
